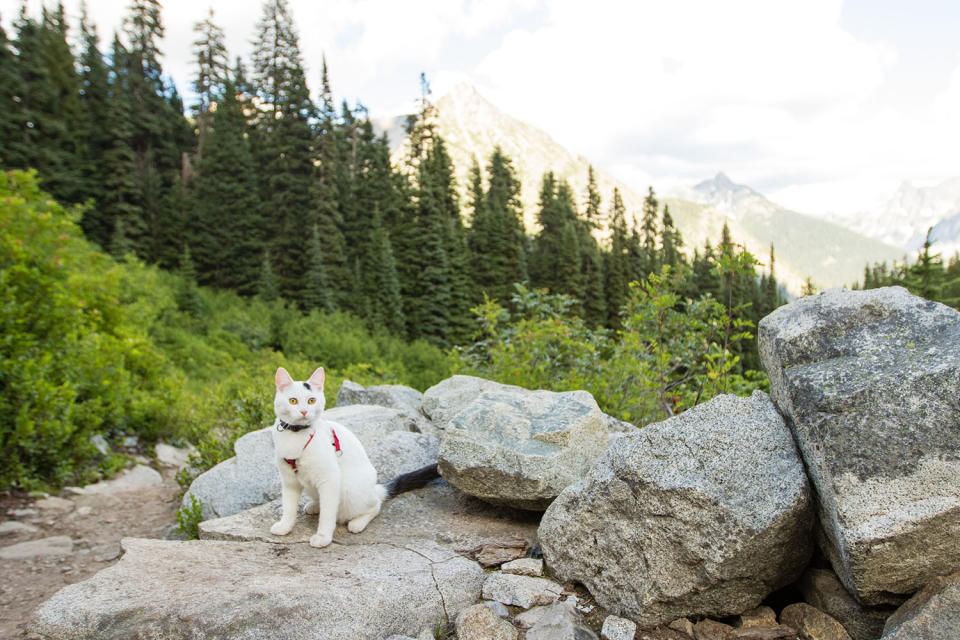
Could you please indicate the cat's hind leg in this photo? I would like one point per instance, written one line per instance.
(360, 522)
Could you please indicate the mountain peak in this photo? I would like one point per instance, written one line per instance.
(721, 183)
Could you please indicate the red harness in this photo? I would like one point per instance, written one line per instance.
(336, 445)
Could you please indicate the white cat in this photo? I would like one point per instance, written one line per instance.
(324, 458)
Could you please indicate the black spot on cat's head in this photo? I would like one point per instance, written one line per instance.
(307, 385)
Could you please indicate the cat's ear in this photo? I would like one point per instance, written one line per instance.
(283, 379)
(317, 378)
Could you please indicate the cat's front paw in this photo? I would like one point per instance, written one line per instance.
(281, 528)
(312, 509)
(320, 540)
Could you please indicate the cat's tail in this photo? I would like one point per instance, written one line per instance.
(409, 481)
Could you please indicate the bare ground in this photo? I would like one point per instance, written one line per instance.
(95, 523)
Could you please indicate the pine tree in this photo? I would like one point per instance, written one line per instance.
(670, 241)
(284, 143)
(12, 117)
(225, 227)
(617, 268)
(591, 258)
(316, 291)
(212, 71)
(268, 289)
(648, 261)
(94, 119)
(382, 284)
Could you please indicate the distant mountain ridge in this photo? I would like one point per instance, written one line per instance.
(905, 218)
(805, 246)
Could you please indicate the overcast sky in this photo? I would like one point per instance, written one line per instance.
(822, 105)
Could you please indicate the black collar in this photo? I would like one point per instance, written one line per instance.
(283, 426)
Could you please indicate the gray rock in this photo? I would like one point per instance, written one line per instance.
(703, 514)
(395, 396)
(498, 608)
(52, 546)
(521, 448)
(220, 590)
(12, 527)
(524, 567)
(437, 512)
(170, 456)
(933, 613)
(100, 444)
(869, 382)
(520, 591)
(810, 622)
(479, 622)
(617, 628)
(445, 399)
(370, 423)
(822, 589)
(402, 452)
(133, 479)
(526, 619)
(560, 622)
(54, 503)
(757, 617)
(248, 479)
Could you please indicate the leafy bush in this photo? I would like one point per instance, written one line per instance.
(669, 354)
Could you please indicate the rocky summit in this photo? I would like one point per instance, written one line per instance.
(869, 382)
(705, 513)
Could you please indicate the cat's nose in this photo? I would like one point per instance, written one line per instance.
(303, 412)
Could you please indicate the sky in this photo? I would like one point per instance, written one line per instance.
(824, 106)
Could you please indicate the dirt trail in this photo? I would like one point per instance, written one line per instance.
(80, 535)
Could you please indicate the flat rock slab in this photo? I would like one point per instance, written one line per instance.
(238, 591)
(395, 396)
(521, 448)
(133, 479)
(520, 591)
(869, 382)
(704, 514)
(436, 512)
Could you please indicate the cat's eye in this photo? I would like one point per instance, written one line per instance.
(312, 401)
(293, 401)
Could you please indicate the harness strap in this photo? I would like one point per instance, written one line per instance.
(336, 445)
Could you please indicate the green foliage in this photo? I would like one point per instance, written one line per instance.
(91, 345)
(189, 518)
(669, 354)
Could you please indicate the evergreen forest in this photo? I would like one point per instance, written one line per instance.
(163, 258)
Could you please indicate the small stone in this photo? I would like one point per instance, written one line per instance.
(24, 513)
(617, 628)
(520, 591)
(683, 625)
(131, 442)
(101, 444)
(530, 617)
(11, 527)
(399, 637)
(524, 567)
(775, 632)
(170, 456)
(495, 554)
(53, 546)
(560, 622)
(933, 612)
(107, 552)
(757, 617)
(54, 504)
(810, 622)
(84, 511)
(479, 622)
(713, 630)
(498, 608)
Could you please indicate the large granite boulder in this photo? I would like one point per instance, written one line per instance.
(437, 512)
(250, 478)
(933, 613)
(521, 448)
(704, 514)
(238, 591)
(395, 396)
(447, 398)
(869, 382)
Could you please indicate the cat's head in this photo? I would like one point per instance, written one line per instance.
(298, 402)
